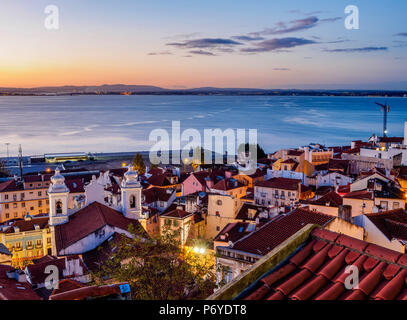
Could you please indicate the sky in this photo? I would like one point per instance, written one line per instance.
(220, 43)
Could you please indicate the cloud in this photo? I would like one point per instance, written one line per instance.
(247, 38)
(202, 52)
(205, 43)
(295, 25)
(364, 49)
(160, 53)
(331, 19)
(281, 69)
(401, 34)
(276, 44)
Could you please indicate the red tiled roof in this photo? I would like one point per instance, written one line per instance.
(75, 185)
(157, 194)
(233, 232)
(243, 213)
(317, 272)
(86, 221)
(67, 285)
(37, 271)
(323, 190)
(289, 161)
(295, 152)
(280, 183)
(227, 184)
(276, 231)
(177, 213)
(361, 195)
(393, 223)
(10, 185)
(200, 176)
(331, 199)
(89, 292)
(28, 225)
(12, 290)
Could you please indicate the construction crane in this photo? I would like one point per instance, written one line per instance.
(386, 109)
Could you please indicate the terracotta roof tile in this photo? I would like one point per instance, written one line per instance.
(318, 272)
(273, 233)
(281, 183)
(86, 221)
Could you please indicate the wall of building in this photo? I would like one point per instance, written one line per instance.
(342, 226)
(357, 206)
(374, 235)
(220, 213)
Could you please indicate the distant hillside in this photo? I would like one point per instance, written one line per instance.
(153, 90)
(106, 88)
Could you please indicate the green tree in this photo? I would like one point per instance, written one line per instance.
(159, 268)
(260, 152)
(138, 164)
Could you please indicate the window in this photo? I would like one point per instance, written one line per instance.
(14, 205)
(168, 222)
(383, 205)
(32, 208)
(217, 228)
(6, 196)
(23, 205)
(29, 243)
(58, 207)
(48, 240)
(175, 224)
(6, 206)
(22, 195)
(15, 214)
(132, 201)
(39, 203)
(396, 205)
(39, 193)
(7, 215)
(219, 202)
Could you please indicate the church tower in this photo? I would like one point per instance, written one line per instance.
(58, 194)
(131, 196)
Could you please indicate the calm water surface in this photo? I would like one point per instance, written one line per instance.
(123, 123)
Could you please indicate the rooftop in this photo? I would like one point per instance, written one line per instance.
(280, 183)
(276, 231)
(316, 271)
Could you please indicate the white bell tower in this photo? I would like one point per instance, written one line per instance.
(131, 195)
(58, 194)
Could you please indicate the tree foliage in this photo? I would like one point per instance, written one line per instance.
(246, 147)
(138, 164)
(158, 268)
